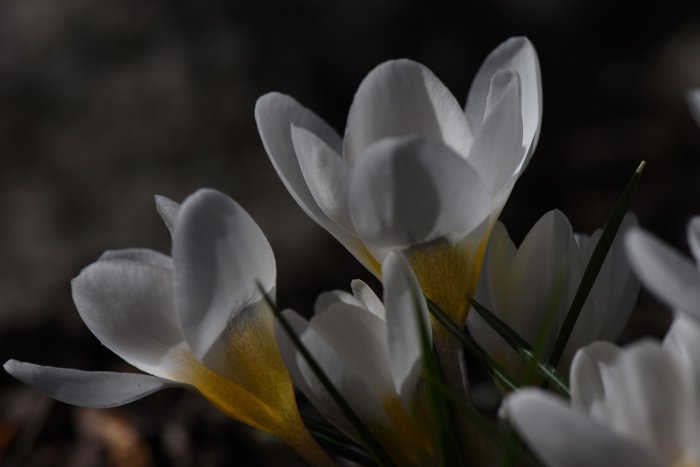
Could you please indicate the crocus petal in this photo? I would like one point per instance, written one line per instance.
(411, 191)
(369, 299)
(562, 437)
(693, 99)
(139, 255)
(587, 381)
(167, 209)
(694, 237)
(404, 304)
(651, 399)
(326, 299)
(497, 152)
(516, 54)
(664, 271)
(326, 173)
(96, 389)
(275, 115)
(359, 338)
(221, 258)
(683, 341)
(128, 306)
(400, 98)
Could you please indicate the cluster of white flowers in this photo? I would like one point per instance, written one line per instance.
(413, 190)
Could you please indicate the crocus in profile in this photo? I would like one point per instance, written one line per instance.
(521, 286)
(196, 320)
(635, 406)
(372, 354)
(414, 171)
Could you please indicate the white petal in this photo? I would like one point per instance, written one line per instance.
(129, 307)
(404, 304)
(275, 114)
(326, 173)
(97, 389)
(221, 259)
(361, 397)
(369, 299)
(683, 341)
(359, 338)
(587, 378)
(167, 209)
(401, 98)
(327, 299)
(139, 255)
(667, 274)
(498, 151)
(694, 237)
(563, 437)
(516, 54)
(651, 400)
(410, 191)
(693, 99)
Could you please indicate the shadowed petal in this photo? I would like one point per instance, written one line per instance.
(167, 209)
(563, 437)
(139, 255)
(96, 389)
(411, 191)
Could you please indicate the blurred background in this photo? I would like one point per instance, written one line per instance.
(105, 103)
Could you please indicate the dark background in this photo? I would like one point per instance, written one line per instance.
(105, 103)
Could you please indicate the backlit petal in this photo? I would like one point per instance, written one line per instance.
(411, 191)
(167, 209)
(128, 306)
(403, 98)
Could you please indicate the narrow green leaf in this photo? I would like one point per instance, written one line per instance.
(449, 452)
(470, 344)
(594, 264)
(374, 448)
(520, 345)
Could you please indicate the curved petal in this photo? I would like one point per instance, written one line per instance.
(587, 381)
(411, 191)
(326, 173)
(683, 341)
(651, 400)
(129, 307)
(326, 299)
(515, 54)
(139, 255)
(96, 389)
(401, 98)
(667, 274)
(167, 209)
(498, 151)
(359, 339)
(563, 437)
(403, 299)
(694, 237)
(369, 299)
(275, 114)
(220, 256)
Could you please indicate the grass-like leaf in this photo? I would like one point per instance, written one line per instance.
(594, 265)
(374, 448)
(520, 345)
(449, 450)
(496, 369)
(332, 440)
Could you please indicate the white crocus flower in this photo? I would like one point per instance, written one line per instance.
(196, 320)
(636, 406)
(372, 354)
(414, 171)
(521, 285)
